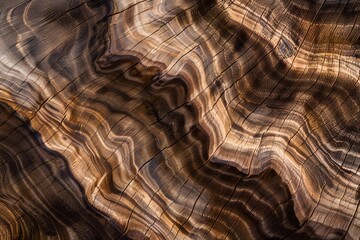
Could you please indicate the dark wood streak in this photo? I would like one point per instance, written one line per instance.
(39, 189)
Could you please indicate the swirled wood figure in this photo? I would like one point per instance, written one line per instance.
(180, 119)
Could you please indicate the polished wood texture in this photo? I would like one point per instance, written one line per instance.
(186, 119)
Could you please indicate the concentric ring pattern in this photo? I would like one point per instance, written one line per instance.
(186, 119)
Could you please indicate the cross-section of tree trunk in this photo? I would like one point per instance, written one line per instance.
(180, 119)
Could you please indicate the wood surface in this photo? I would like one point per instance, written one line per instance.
(180, 119)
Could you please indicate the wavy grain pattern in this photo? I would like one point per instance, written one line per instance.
(160, 119)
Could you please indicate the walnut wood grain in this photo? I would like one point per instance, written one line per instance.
(160, 119)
